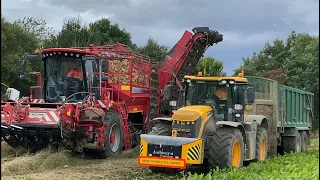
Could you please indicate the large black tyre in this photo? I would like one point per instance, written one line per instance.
(291, 143)
(225, 148)
(113, 124)
(261, 144)
(161, 129)
(304, 141)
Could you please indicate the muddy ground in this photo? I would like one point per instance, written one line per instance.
(62, 165)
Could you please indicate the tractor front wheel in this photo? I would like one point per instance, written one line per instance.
(225, 148)
(113, 135)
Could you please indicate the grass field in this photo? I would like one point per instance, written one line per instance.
(17, 164)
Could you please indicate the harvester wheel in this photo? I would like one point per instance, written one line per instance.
(261, 144)
(113, 136)
(304, 141)
(291, 143)
(225, 148)
(161, 129)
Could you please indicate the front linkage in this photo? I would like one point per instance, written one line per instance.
(86, 126)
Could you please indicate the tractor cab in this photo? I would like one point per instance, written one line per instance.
(228, 96)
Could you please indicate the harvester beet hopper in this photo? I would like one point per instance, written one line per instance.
(110, 104)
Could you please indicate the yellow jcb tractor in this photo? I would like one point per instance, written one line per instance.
(210, 127)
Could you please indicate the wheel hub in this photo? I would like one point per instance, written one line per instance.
(112, 137)
(262, 150)
(236, 154)
(115, 138)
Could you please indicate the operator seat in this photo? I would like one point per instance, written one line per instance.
(70, 87)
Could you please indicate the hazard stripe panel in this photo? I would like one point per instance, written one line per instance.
(194, 153)
(141, 149)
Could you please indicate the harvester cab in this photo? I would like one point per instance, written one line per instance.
(65, 75)
(68, 75)
(208, 127)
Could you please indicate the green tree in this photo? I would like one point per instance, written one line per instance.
(103, 32)
(39, 28)
(15, 42)
(36, 26)
(75, 33)
(210, 66)
(294, 63)
(152, 49)
(302, 71)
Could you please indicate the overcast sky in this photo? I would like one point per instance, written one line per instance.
(246, 24)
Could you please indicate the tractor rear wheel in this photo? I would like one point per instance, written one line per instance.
(161, 129)
(113, 135)
(261, 144)
(291, 143)
(225, 148)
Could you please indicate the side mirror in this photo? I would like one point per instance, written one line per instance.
(181, 98)
(250, 95)
(167, 92)
(23, 61)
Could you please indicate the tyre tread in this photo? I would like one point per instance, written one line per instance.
(261, 132)
(219, 147)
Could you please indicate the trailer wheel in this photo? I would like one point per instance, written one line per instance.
(161, 129)
(292, 143)
(226, 148)
(261, 144)
(304, 141)
(113, 136)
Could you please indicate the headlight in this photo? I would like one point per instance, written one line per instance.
(183, 123)
(187, 128)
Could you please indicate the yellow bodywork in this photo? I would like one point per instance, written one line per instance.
(208, 78)
(191, 152)
(191, 148)
(191, 113)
